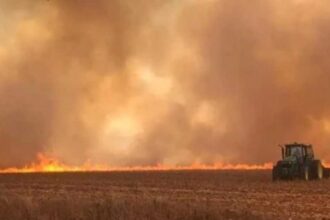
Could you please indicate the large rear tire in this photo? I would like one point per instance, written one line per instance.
(318, 170)
(275, 174)
(306, 173)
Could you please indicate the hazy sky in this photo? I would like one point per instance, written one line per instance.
(173, 82)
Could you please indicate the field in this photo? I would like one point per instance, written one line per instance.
(161, 195)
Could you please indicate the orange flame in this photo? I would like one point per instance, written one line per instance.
(48, 164)
(326, 164)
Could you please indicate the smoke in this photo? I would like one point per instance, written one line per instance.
(162, 82)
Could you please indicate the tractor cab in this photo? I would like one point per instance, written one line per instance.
(299, 151)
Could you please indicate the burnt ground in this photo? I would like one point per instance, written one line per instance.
(161, 195)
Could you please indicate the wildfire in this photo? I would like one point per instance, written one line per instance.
(48, 164)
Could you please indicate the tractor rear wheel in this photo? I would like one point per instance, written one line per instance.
(275, 174)
(318, 170)
(306, 174)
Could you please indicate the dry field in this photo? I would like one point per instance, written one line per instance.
(161, 195)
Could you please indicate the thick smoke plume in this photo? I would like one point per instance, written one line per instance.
(162, 82)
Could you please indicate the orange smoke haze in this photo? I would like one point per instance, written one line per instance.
(133, 85)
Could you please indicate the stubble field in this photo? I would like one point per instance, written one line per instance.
(161, 195)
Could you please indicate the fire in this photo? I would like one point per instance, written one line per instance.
(326, 164)
(49, 164)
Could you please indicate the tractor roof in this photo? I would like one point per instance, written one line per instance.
(298, 145)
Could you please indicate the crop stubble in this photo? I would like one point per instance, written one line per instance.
(161, 195)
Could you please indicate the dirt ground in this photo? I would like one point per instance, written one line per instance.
(161, 195)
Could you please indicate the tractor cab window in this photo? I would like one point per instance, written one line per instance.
(310, 151)
(295, 151)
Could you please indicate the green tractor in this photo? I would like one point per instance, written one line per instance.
(298, 162)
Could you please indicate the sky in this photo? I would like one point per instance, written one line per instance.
(129, 83)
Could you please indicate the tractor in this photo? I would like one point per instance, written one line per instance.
(298, 162)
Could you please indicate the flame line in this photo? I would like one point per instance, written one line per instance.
(48, 164)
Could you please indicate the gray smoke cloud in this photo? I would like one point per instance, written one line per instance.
(162, 82)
